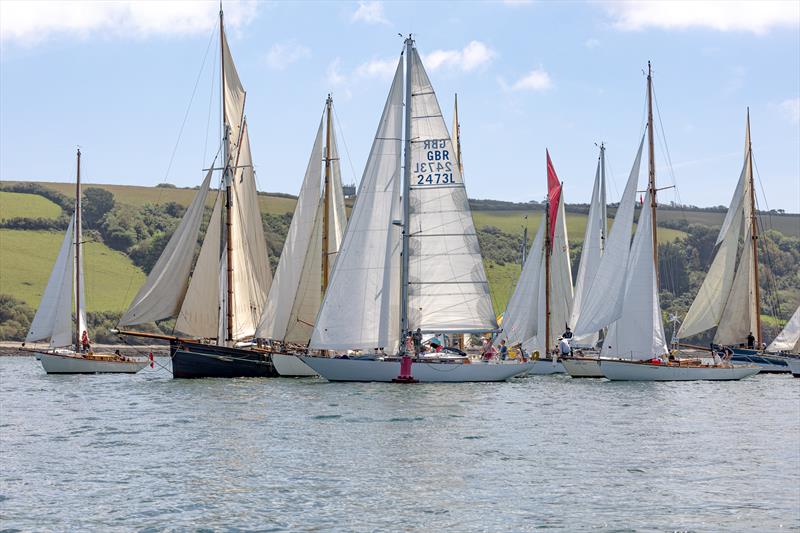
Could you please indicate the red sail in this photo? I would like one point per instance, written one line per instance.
(553, 196)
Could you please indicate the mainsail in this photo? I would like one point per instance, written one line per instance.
(519, 322)
(592, 250)
(447, 286)
(788, 340)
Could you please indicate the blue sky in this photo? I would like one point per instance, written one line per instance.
(116, 79)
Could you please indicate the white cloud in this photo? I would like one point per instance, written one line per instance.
(474, 55)
(370, 12)
(536, 80)
(333, 74)
(377, 68)
(591, 43)
(722, 15)
(29, 23)
(792, 109)
(281, 55)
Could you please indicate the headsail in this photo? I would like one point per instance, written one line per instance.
(360, 308)
(788, 340)
(519, 320)
(448, 289)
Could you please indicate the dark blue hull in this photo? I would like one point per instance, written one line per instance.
(768, 363)
(196, 360)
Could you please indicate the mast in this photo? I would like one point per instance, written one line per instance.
(754, 233)
(651, 187)
(547, 245)
(78, 255)
(326, 193)
(457, 135)
(604, 224)
(228, 192)
(406, 204)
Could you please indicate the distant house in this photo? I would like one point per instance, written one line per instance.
(349, 190)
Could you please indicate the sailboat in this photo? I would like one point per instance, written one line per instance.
(308, 255)
(787, 344)
(61, 315)
(410, 258)
(635, 348)
(217, 305)
(543, 297)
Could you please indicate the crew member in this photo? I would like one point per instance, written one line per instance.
(751, 341)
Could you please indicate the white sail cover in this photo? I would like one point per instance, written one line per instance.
(199, 314)
(361, 307)
(788, 340)
(162, 293)
(53, 318)
(591, 252)
(639, 332)
(275, 318)
(448, 290)
(519, 319)
(602, 305)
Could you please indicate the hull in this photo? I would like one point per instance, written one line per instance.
(794, 365)
(288, 365)
(75, 364)
(424, 372)
(582, 367)
(546, 367)
(190, 360)
(769, 364)
(634, 371)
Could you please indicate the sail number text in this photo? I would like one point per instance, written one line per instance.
(437, 169)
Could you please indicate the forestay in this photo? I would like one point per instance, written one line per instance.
(360, 310)
(602, 305)
(448, 290)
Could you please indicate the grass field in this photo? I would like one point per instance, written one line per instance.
(502, 280)
(512, 222)
(15, 204)
(27, 257)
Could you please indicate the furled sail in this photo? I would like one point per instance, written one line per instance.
(788, 340)
(602, 305)
(639, 332)
(286, 286)
(162, 293)
(519, 320)
(591, 251)
(448, 290)
(360, 309)
(199, 313)
(53, 319)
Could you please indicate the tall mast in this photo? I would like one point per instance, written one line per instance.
(228, 193)
(457, 136)
(326, 193)
(78, 331)
(604, 223)
(406, 204)
(754, 233)
(547, 245)
(651, 187)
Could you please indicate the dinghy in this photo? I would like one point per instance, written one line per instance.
(410, 258)
(308, 255)
(217, 305)
(69, 350)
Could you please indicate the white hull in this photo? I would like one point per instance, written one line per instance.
(424, 372)
(633, 371)
(545, 367)
(794, 365)
(583, 368)
(291, 366)
(75, 364)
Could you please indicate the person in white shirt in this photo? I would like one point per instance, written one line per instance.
(563, 346)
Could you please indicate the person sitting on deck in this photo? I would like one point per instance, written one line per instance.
(564, 347)
(751, 341)
(85, 345)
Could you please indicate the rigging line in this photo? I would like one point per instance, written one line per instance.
(189, 106)
(669, 158)
(346, 149)
(773, 293)
(210, 98)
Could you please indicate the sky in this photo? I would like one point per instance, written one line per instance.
(135, 85)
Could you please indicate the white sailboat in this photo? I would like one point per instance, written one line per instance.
(217, 305)
(410, 257)
(61, 315)
(309, 251)
(541, 304)
(787, 344)
(635, 347)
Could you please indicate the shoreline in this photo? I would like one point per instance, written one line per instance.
(13, 348)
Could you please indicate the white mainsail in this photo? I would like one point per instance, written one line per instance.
(360, 308)
(519, 322)
(602, 305)
(447, 286)
(162, 293)
(639, 332)
(592, 250)
(788, 340)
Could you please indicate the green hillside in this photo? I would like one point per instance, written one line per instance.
(15, 204)
(27, 257)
